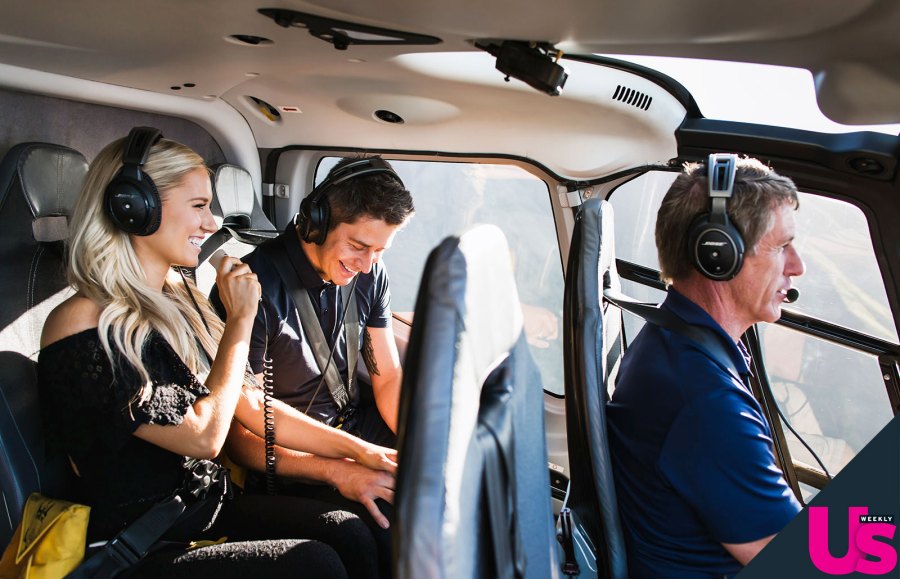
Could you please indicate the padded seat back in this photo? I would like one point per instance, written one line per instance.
(593, 347)
(39, 184)
(473, 490)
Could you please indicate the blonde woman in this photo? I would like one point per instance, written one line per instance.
(138, 375)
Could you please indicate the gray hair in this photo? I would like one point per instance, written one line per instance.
(758, 191)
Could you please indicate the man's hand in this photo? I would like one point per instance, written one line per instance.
(540, 324)
(376, 457)
(363, 485)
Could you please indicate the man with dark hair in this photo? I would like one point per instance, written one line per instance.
(328, 262)
(699, 490)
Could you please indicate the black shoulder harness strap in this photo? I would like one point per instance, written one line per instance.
(312, 329)
(704, 337)
(134, 541)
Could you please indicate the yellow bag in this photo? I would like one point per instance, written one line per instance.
(49, 542)
(237, 473)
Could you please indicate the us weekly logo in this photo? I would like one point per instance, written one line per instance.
(871, 548)
(849, 529)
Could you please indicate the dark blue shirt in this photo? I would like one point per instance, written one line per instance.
(277, 326)
(692, 454)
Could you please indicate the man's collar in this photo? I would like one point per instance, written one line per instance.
(688, 310)
(694, 315)
(309, 278)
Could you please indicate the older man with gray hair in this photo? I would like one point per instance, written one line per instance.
(699, 489)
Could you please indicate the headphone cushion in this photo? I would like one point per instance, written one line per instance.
(314, 219)
(134, 205)
(716, 250)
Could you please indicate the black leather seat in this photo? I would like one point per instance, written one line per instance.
(593, 347)
(39, 184)
(473, 491)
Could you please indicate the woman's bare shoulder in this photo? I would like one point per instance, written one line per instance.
(74, 315)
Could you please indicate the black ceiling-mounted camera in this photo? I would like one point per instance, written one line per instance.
(534, 63)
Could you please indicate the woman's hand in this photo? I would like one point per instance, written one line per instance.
(376, 457)
(239, 289)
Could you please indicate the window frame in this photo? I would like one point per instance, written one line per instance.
(303, 178)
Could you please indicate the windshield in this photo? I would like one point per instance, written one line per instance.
(752, 93)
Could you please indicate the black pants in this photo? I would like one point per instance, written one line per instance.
(274, 536)
(368, 425)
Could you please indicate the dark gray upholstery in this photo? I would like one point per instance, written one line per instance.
(38, 187)
(592, 343)
(242, 223)
(468, 373)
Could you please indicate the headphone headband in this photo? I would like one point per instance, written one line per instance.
(359, 168)
(722, 167)
(138, 144)
(314, 217)
(716, 246)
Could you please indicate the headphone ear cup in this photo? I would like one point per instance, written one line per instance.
(303, 220)
(322, 212)
(314, 219)
(133, 205)
(717, 250)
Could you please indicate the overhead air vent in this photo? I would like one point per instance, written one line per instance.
(248, 40)
(263, 109)
(389, 117)
(632, 97)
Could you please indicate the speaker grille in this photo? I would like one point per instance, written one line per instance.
(632, 97)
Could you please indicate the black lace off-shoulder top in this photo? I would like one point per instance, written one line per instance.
(91, 413)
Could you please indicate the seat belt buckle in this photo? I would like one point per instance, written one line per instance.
(565, 536)
(346, 415)
(123, 553)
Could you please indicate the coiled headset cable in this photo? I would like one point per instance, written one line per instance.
(268, 412)
(268, 389)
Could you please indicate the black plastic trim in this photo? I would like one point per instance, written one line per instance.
(669, 84)
(273, 155)
(335, 31)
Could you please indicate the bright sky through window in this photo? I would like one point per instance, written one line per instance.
(752, 93)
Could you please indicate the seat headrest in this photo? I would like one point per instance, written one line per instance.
(235, 194)
(469, 379)
(50, 178)
(598, 239)
(489, 294)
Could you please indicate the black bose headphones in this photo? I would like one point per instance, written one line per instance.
(131, 199)
(314, 218)
(716, 246)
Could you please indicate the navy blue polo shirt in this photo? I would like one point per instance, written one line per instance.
(692, 454)
(277, 325)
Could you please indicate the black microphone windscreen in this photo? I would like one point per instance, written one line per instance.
(792, 295)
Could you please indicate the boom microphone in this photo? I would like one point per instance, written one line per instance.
(792, 295)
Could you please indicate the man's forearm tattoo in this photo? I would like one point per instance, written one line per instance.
(369, 354)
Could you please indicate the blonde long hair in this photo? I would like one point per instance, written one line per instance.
(104, 267)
